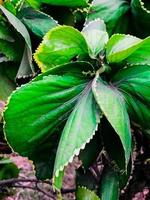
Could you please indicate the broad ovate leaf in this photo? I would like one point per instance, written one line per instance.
(109, 188)
(59, 46)
(134, 83)
(96, 36)
(109, 11)
(112, 104)
(140, 10)
(68, 3)
(39, 23)
(41, 107)
(83, 193)
(128, 48)
(79, 129)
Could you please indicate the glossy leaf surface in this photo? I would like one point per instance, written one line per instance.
(96, 36)
(109, 11)
(129, 49)
(80, 129)
(134, 83)
(60, 45)
(109, 188)
(112, 104)
(39, 23)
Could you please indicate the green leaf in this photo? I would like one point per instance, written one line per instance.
(7, 84)
(109, 11)
(40, 108)
(8, 169)
(59, 46)
(5, 33)
(121, 46)
(85, 178)
(109, 188)
(129, 49)
(89, 155)
(39, 23)
(85, 194)
(68, 3)
(134, 83)
(96, 36)
(111, 143)
(141, 17)
(112, 104)
(19, 26)
(77, 130)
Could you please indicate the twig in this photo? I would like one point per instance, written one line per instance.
(16, 180)
(34, 188)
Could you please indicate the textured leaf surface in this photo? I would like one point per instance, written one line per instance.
(109, 11)
(129, 48)
(39, 23)
(134, 82)
(56, 96)
(85, 194)
(80, 129)
(69, 3)
(109, 188)
(141, 17)
(96, 36)
(112, 104)
(59, 46)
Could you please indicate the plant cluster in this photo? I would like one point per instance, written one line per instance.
(83, 71)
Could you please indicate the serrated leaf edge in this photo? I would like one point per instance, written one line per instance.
(39, 49)
(143, 8)
(77, 151)
(91, 191)
(140, 41)
(95, 94)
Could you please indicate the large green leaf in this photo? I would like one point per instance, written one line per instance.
(96, 36)
(141, 17)
(109, 11)
(39, 23)
(112, 104)
(40, 107)
(59, 46)
(68, 3)
(109, 188)
(80, 129)
(134, 83)
(83, 193)
(129, 49)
